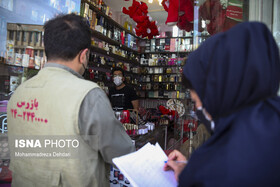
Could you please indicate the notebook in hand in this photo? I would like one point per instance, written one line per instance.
(145, 167)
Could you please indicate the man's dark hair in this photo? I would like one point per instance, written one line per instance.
(65, 36)
(117, 69)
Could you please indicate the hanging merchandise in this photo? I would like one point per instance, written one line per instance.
(184, 18)
(172, 9)
(235, 10)
(215, 17)
(137, 11)
(165, 4)
(234, 13)
(185, 21)
(145, 27)
(223, 14)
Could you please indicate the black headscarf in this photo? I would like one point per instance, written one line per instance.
(236, 75)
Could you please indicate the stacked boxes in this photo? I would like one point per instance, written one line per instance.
(24, 45)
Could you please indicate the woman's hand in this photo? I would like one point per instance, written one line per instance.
(172, 163)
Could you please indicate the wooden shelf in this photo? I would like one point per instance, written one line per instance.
(179, 37)
(110, 83)
(103, 66)
(107, 67)
(8, 69)
(152, 90)
(157, 82)
(183, 37)
(24, 27)
(168, 66)
(102, 37)
(167, 52)
(11, 65)
(24, 46)
(159, 98)
(95, 9)
(112, 55)
(161, 74)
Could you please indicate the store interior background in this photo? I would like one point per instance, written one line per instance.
(21, 13)
(37, 12)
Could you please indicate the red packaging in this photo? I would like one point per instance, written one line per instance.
(235, 13)
(125, 117)
(30, 51)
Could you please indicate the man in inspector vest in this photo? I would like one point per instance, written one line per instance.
(58, 101)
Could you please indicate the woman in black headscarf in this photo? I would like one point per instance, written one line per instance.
(236, 75)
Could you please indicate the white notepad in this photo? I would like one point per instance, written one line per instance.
(145, 167)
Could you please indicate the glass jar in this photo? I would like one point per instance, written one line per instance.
(168, 70)
(160, 78)
(156, 70)
(148, 79)
(167, 86)
(172, 78)
(148, 86)
(156, 79)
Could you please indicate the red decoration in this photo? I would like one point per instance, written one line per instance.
(166, 111)
(212, 10)
(234, 12)
(181, 13)
(184, 18)
(173, 14)
(139, 13)
(165, 4)
(220, 19)
(184, 24)
(190, 125)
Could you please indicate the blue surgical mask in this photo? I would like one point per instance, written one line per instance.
(118, 80)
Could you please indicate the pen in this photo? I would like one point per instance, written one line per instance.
(184, 162)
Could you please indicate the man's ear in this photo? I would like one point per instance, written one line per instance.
(83, 56)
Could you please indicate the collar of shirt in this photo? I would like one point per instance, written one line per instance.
(52, 64)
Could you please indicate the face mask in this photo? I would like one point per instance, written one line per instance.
(205, 120)
(118, 80)
(86, 72)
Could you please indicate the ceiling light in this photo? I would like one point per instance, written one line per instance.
(150, 1)
(159, 2)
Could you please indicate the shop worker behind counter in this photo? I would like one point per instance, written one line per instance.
(72, 106)
(236, 75)
(122, 97)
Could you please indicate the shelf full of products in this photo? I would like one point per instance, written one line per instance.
(105, 28)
